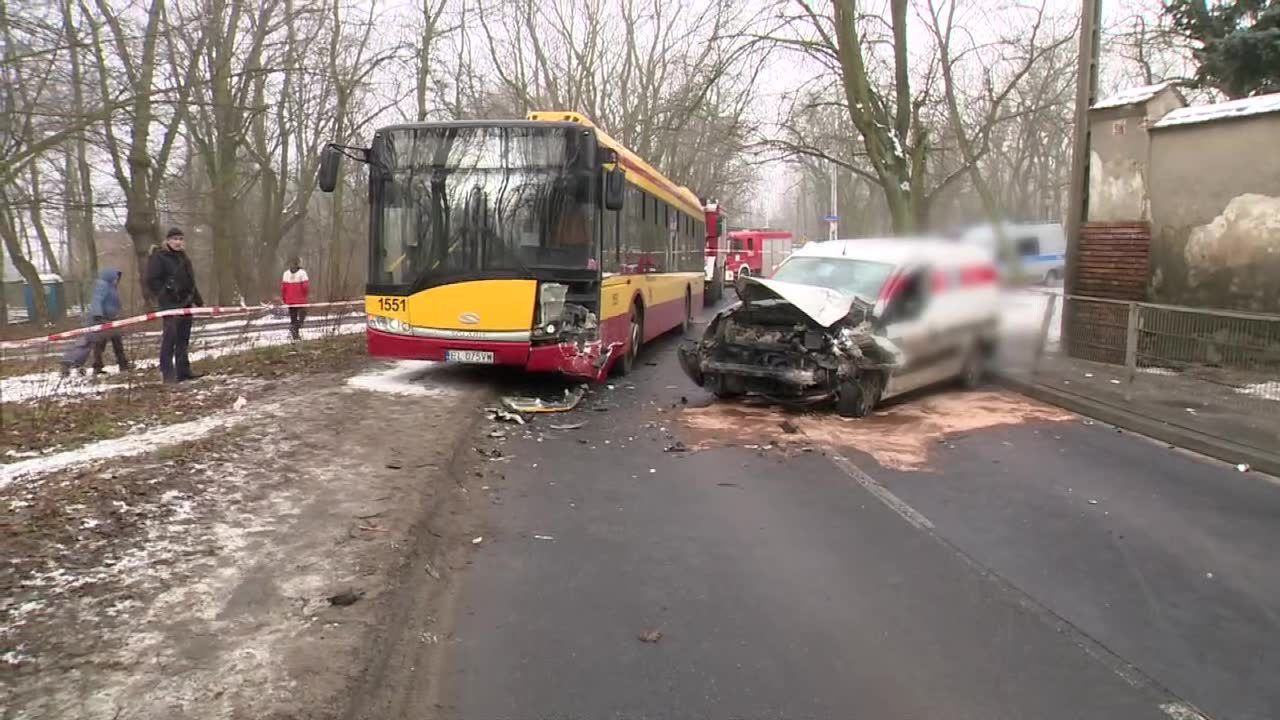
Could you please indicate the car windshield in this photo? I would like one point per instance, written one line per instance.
(844, 275)
(479, 199)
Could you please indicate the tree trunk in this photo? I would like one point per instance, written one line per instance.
(26, 270)
(37, 223)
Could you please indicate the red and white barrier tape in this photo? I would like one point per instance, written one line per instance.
(160, 314)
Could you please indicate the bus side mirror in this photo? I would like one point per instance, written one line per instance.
(615, 184)
(329, 159)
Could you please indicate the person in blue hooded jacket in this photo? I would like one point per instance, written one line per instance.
(104, 306)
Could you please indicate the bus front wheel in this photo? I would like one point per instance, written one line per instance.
(635, 336)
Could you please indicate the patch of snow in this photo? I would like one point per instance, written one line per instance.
(1269, 390)
(14, 657)
(1022, 314)
(1244, 107)
(37, 386)
(403, 378)
(119, 447)
(1131, 96)
(1157, 371)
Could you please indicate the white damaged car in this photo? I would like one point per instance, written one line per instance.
(854, 322)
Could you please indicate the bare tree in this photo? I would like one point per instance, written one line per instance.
(127, 138)
(1005, 64)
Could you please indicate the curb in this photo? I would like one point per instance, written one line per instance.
(1225, 450)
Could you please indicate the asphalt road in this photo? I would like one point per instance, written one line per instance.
(1029, 570)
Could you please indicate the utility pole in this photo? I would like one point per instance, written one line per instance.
(1086, 91)
(832, 232)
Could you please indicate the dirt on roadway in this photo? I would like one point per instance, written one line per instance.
(238, 574)
(902, 435)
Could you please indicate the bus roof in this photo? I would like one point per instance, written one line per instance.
(639, 172)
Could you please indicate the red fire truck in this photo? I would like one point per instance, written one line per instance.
(757, 252)
(717, 252)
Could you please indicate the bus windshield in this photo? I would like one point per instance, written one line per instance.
(467, 199)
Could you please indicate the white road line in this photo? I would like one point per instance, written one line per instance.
(1182, 711)
(1177, 710)
(894, 502)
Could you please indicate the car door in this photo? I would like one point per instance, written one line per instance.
(907, 326)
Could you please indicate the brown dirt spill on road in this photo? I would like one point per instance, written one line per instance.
(899, 436)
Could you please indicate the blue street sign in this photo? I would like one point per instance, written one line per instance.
(831, 218)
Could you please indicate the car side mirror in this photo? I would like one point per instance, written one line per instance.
(328, 177)
(615, 183)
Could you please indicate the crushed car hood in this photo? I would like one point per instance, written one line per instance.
(824, 306)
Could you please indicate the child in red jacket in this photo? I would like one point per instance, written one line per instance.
(295, 288)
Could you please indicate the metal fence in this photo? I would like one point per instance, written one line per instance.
(1230, 357)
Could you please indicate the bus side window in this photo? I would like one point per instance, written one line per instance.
(610, 250)
(1028, 246)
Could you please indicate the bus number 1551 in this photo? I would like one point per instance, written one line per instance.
(392, 304)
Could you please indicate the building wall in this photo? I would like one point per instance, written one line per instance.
(1119, 189)
(1215, 208)
(1118, 165)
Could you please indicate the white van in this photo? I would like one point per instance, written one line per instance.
(854, 321)
(1029, 253)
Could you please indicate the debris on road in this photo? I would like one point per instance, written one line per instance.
(435, 574)
(394, 465)
(497, 435)
(652, 636)
(543, 537)
(345, 598)
(1093, 502)
(477, 540)
(788, 427)
(570, 426)
(1242, 467)
(506, 416)
(490, 453)
(566, 403)
(676, 447)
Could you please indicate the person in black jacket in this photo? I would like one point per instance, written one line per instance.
(172, 282)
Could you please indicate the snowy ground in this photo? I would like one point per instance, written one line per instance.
(51, 385)
(1022, 315)
(184, 571)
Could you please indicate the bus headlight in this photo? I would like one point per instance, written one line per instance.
(551, 301)
(390, 325)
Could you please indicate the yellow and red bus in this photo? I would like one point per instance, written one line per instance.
(541, 243)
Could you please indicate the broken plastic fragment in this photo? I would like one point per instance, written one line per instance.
(477, 540)
(540, 405)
